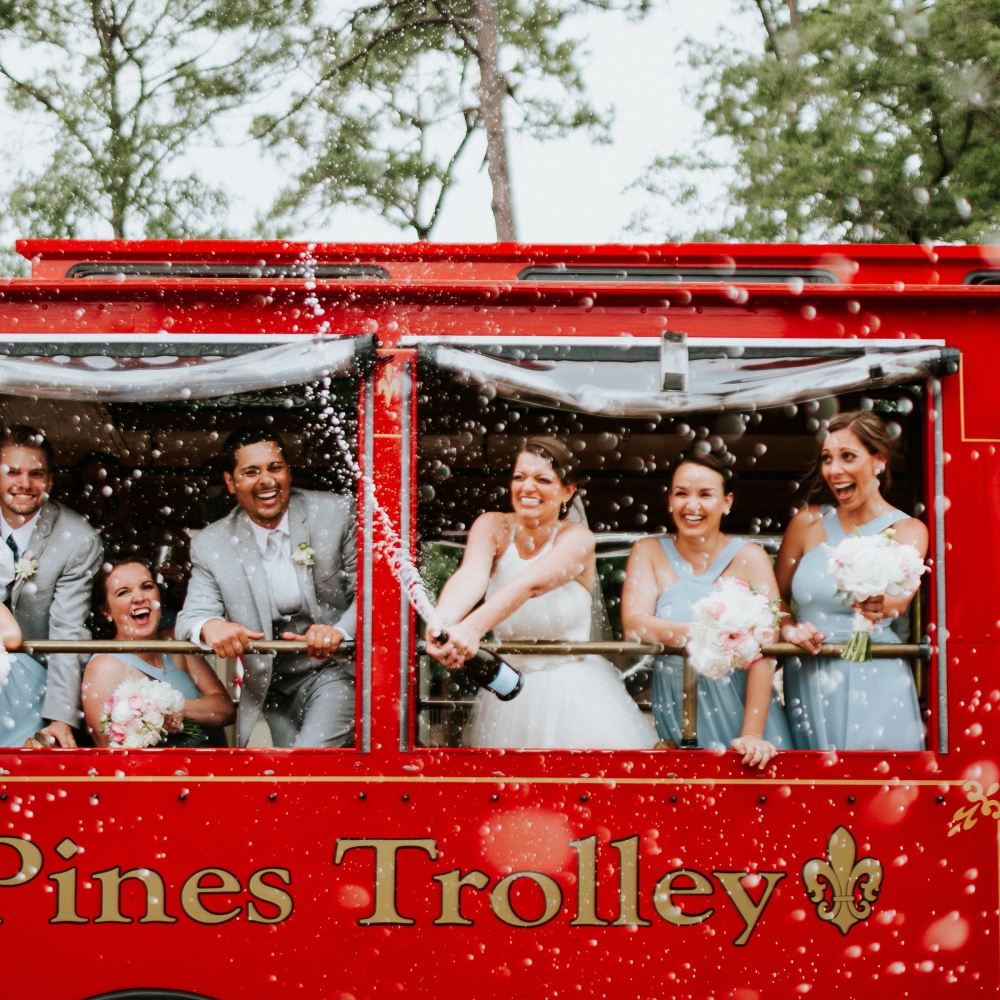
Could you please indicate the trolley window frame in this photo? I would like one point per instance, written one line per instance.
(933, 458)
(230, 345)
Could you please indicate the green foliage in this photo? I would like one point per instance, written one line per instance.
(125, 86)
(863, 121)
(396, 102)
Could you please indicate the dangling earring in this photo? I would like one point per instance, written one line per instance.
(563, 509)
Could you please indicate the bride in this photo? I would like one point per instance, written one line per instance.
(537, 573)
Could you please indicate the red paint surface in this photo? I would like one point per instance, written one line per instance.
(935, 926)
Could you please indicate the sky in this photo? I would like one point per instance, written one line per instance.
(566, 190)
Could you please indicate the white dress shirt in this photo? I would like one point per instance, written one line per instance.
(22, 535)
(275, 545)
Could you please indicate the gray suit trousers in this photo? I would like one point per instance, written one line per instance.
(313, 709)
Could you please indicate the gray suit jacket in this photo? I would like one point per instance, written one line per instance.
(227, 581)
(56, 603)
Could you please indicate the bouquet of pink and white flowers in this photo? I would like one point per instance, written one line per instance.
(865, 566)
(136, 714)
(729, 627)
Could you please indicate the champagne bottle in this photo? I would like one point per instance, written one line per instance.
(490, 672)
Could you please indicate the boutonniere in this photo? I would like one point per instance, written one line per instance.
(303, 555)
(25, 568)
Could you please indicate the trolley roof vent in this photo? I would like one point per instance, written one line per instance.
(110, 269)
(680, 275)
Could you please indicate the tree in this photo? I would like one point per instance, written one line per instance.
(125, 86)
(872, 120)
(402, 86)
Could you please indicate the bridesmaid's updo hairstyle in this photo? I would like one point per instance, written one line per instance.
(706, 461)
(870, 430)
(558, 456)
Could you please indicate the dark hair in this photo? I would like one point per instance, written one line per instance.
(244, 436)
(555, 453)
(869, 429)
(25, 436)
(99, 596)
(706, 461)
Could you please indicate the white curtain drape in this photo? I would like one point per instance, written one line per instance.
(632, 388)
(104, 377)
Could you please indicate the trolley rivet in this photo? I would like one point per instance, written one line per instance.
(583, 798)
(406, 798)
(851, 800)
(495, 797)
(272, 796)
(3, 797)
(673, 798)
(183, 796)
(763, 798)
(362, 796)
(939, 799)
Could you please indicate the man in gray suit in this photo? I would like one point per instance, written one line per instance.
(283, 563)
(58, 553)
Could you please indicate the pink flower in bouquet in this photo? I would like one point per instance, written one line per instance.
(729, 627)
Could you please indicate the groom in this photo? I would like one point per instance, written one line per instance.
(282, 564)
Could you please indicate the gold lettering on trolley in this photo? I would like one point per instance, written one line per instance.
(750, 911)
(152, 882)
(452, 884)
(663, 896)
(385, 873)
(66, 887)
(30, 861)
(500, 899)
(855, 885)
(586, 884)
(628, 883)
(193, 890)
(267, 893)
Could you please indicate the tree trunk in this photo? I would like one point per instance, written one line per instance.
(491, 95)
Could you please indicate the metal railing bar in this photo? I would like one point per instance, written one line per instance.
(264, 646)
(893, 650)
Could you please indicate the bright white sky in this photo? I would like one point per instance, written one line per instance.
(565, 191)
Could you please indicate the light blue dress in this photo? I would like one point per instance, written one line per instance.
(721, 701)
(834, 704)
(181, 681)
(21, 699)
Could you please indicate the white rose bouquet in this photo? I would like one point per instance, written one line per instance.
(729, 627)
(865, 566)
(134, 718)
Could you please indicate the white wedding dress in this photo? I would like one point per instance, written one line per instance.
(572, 702)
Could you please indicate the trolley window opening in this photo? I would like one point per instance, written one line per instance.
(468, 436)
(150, 476)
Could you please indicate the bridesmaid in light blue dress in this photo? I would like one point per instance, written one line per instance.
(22, 693)
(835, 704)
(661, 588)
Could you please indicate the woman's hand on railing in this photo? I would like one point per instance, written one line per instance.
(804, 635)
(756, 750)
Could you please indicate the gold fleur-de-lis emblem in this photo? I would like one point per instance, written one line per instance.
(855, 884)
(979, 802)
